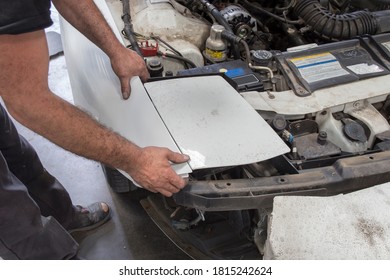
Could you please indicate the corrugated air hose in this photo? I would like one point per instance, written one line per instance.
(341, 26)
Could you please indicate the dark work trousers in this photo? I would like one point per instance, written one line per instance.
(34, 206)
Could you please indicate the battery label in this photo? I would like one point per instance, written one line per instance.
(319, 67)
(220, 55)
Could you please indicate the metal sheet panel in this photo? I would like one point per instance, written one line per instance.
(212, 123)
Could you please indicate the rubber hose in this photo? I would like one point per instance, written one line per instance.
(233, 38)
(129, 27)
(341, 26)
(216, 14)
(181, 58)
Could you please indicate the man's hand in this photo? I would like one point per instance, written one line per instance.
(126, 64)
(153, 171)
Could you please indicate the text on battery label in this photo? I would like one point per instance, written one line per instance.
(364, 68)
(314, 68)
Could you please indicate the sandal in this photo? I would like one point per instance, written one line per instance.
(91, 217)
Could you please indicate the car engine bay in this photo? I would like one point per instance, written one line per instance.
(316, 71)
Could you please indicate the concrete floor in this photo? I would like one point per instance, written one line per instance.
(130, 234)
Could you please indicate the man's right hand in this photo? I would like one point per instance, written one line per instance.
(152, 170)
(127, 64)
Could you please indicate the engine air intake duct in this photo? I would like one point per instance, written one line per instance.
(341, 26)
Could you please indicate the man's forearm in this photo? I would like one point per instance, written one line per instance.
(74, 130)
(24, 88)
(86, 17)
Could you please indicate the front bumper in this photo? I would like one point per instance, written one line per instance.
(345, 175)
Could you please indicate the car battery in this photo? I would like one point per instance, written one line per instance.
(237, 71)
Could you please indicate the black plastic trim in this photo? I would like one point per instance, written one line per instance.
(345, 175)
